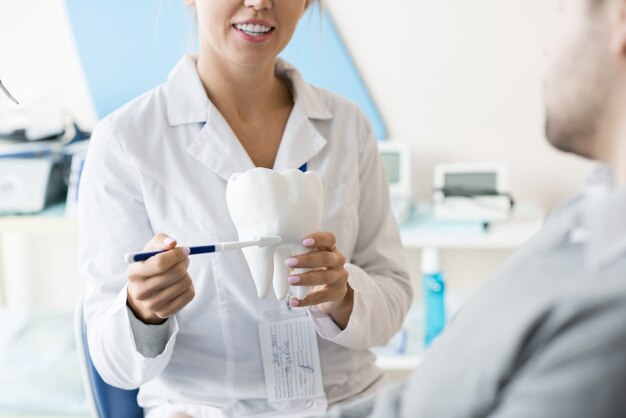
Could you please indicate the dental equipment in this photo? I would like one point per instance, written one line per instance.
(212, 248)
(6, 92)
(472, 192)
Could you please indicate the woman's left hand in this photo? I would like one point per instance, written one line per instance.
(329, 279)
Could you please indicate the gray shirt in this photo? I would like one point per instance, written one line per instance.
(545, 338)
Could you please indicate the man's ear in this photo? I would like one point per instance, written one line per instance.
(618, 36)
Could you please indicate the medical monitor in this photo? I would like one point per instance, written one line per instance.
(470, 180)
(396, 159)
(471, 192)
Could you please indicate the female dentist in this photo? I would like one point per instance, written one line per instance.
(185, 331)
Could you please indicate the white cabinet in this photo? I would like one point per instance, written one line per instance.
(39, 261)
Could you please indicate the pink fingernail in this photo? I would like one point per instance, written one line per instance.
(294, 302)
(186, 250)
(308, 242)
(291, 262)
(168, 241)
(293, 279)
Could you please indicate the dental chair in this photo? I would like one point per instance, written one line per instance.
(105, 401)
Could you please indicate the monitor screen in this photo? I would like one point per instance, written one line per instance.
(391, 161)
(471, 183)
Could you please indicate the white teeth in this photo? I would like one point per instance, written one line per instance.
(252, 29)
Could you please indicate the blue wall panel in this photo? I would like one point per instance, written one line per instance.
(124, 49)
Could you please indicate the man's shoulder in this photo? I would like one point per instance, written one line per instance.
(565, 208)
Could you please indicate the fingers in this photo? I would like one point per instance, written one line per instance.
(330, 287)
(325, 256)
(160, 286)
(322, 258)
(159, 263)
(329, 277)
(324, 241)
(165, 302)
(326, 295)
(144, 287)
(147, 302)
(177, 304)
(160, 241)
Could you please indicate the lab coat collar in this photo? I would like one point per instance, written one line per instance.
(604, 220)
(187, 101)
(218, 148)
(303, 93)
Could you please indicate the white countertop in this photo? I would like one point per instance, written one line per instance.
(421, 231)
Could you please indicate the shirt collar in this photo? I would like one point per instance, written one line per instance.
(603, 220)
(187, 101)
(303, 93)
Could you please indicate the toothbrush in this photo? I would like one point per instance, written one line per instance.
(211, 248)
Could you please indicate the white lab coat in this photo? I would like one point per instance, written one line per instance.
(156, 166)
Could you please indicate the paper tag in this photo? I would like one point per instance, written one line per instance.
(291, 359)
(274, 310)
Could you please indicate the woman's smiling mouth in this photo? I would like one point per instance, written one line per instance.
(254, 30)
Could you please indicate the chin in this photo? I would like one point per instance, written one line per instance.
(567, 138)
(252, 60)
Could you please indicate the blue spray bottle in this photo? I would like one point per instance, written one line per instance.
(434, 295)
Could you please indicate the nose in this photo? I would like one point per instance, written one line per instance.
(258, 4)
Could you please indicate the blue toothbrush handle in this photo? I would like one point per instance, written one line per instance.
(202, 249)
(143, 256)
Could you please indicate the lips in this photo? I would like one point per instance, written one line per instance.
(263, 202)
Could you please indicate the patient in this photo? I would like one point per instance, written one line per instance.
(546, 337)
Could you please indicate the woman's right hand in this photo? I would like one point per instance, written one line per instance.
(160, 286)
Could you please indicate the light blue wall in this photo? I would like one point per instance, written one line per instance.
(124, 49)
(129, 46)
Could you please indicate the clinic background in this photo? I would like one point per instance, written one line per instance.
(460, 80)
(457, 80)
